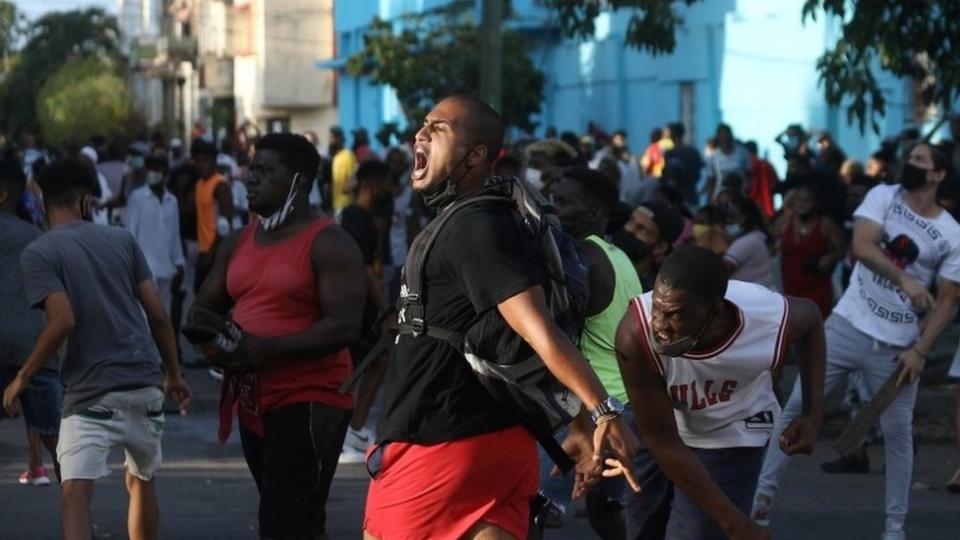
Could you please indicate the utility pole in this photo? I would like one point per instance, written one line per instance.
(491, 53)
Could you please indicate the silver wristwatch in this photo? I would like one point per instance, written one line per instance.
(607, 407)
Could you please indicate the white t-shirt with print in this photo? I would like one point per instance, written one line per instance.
(919, 246)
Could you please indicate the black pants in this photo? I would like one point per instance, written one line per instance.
(293, 466)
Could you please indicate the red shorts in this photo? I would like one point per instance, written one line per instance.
(441, 491)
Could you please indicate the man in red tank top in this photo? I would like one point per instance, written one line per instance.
(294, 282)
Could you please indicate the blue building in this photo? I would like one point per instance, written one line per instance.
(748, 63)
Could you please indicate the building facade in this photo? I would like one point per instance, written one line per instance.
(276, 44)
(206, 67)
(748, 63)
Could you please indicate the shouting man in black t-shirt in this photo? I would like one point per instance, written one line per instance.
(452, 462)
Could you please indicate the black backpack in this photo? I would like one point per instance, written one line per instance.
(514, 375)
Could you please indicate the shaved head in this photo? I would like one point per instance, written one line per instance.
(483, 125)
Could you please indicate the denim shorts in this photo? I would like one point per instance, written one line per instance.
(41, 401)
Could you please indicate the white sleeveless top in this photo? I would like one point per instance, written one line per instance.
(723, 398)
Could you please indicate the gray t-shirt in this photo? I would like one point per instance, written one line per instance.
(20, 326)
(752, 258)
(99, 268)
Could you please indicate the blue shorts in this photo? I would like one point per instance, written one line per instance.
(41, 401)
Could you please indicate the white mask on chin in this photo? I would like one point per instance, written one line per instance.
(154, 178)
(534, 177)
(277, 218)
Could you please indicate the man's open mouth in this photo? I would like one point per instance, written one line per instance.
(420, 165)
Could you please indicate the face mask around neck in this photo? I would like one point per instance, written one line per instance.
(274, 220)
(444, 193)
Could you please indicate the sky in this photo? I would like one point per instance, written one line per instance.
(36, 8)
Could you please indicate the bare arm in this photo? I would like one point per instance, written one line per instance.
(941, 315)
(166, 339)
(375, 292)
(601, 279)
(915, 358)
(866, 248)
(780, 225)
(213, 295)
(160, 327)
(60, 322)
(225, 201)
(341, 286)
(527, 313)
(805, 329)
(836, 245)
(658, 427)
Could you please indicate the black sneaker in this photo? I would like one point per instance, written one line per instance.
(856, 463)
(546, 514)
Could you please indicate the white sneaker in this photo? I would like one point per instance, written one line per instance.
(351, 455)
(216, 373)
(893, 535)
(761, 510)
(359, 440)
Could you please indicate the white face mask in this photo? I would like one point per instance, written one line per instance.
(533, 177)
(277, 218)
(154, 178)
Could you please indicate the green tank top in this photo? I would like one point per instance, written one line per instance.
(600, 331)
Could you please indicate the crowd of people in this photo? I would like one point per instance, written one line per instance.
(307, 278)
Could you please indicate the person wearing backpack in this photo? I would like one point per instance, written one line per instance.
(451, 460)
(584, 199)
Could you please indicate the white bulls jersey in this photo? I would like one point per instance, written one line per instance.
(723, 398)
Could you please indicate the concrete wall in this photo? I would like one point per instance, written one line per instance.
(295, 34)
(274, 74)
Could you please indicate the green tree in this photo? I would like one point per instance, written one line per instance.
(914, 39)
(83, 98)
(437, 54)
(53, 40)
(651, 27)
(12, 27)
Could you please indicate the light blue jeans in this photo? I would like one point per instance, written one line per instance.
(849, 349)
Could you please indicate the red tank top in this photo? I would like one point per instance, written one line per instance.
(274, 290)
(798, 262)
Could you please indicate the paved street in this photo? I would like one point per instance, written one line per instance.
(206, 492)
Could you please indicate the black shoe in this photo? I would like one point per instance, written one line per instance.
(857, 463)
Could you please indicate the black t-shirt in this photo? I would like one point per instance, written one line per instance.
(183, 181)
(360, 225)
(383, 211)
(481, 258)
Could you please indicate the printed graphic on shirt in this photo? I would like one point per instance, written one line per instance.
(763, 420)
(902, 251)
(700, 395)
(921, 247)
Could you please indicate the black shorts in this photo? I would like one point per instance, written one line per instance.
(293, 466)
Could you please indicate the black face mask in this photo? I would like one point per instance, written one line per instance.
(635, 248)
(912, 177)
(445, 192)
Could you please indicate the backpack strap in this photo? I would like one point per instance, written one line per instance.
(412, 307)
(555, 452)
(381, 346)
